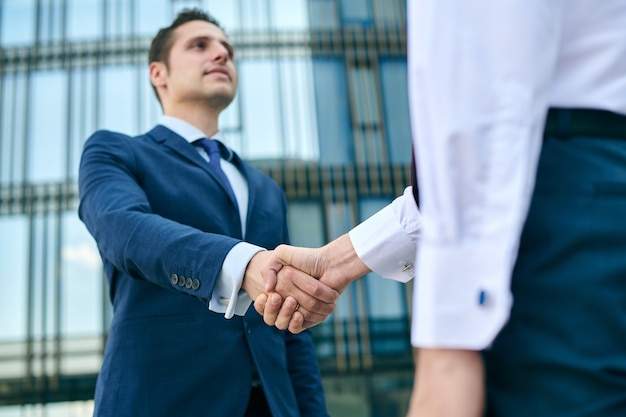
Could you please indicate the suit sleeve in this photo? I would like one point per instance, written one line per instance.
(136, 241)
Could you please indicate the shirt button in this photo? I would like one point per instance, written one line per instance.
(174, 279)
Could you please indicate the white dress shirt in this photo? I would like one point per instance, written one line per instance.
(227, 296)
(482, 75)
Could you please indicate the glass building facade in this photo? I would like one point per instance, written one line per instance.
(322, 108)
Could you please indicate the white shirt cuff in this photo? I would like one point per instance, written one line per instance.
(453, 308)
(227, 296)
(386, 242)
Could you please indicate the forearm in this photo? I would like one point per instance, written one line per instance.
(341, 264)
(448, 382)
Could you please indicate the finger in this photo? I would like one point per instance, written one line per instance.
(272, 308)
(287, 310)
(259, 303)
(307, 291)
(295, 325)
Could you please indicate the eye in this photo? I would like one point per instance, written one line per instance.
(199, 45)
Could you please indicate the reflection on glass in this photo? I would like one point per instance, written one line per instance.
(355, 11)
(82, 280)
(13, 128)
(84, 19)
(333, 111)
(277, 110)
(306, 224)
(385, 298)
(62, 409)
(13, 273)
(18, 22)
(48, 135)
(323, 14)
(396, 107)
(119, 104)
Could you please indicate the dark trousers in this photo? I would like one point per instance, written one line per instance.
(257, 405)
(563, 350)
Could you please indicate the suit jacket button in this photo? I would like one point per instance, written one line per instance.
(181, 281)
(188, 283)
(174, 279)
(195, 284)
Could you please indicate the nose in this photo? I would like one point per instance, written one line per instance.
(219, 53)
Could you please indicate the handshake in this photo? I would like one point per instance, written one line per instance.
(296, 288)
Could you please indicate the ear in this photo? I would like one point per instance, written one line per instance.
(158, 74)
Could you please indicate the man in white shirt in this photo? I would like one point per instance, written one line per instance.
(520, 262)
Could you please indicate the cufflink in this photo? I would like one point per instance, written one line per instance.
(224, 301)
(406, 267)
(483, 299)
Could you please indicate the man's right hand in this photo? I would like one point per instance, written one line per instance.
(335, 264)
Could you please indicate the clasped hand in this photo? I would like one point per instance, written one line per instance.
(301, 286)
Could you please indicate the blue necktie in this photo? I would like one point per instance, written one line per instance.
(212, 148)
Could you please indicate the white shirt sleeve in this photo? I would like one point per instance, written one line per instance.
(227, 296)
(386, 242)
(479, 75)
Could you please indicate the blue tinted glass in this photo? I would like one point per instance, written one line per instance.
(323, 14)
(385, 298)
(13, 128)
(333, 111)
(277, 116)
(393, 75)
(306, 224)
(48, 135)
(84, 19)
(13, 273)
(356, 11)
(118, 99)
(82, 279)
(17, 26)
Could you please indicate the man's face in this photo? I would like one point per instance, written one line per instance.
(201, 66)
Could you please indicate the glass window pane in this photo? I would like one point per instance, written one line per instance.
(393, 75)
(260, 101)
(84, 19)
(118, 99)
(82, 279)
(12, 128)
(306, 224)
(48, 135)
(254, 15)
(385, 297)
(13, 273)
(276, 98)
(289, 15)
(355, 11)
(333, 111)
(151, 15)
(226, 13)
(323, 14)
(365, 98)
(18, 22)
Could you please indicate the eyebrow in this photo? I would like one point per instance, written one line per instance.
(207, 38)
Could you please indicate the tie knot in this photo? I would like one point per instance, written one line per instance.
(215, 149)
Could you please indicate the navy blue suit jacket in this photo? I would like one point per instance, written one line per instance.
(156, 210)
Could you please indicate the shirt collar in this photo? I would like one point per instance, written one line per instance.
(186, 130)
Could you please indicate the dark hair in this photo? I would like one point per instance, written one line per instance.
(162, 43)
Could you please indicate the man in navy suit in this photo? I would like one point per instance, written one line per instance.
(183, 251)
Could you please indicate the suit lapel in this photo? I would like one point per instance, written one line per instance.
(184, 149)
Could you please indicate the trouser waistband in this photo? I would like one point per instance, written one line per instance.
(585, 122)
